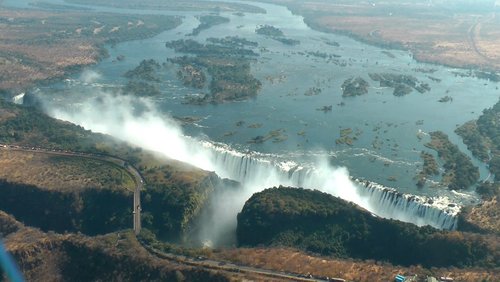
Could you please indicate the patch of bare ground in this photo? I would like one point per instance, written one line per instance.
(289, 260)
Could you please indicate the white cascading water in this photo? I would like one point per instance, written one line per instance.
(114, 115)
(380, 200)
(18, 99)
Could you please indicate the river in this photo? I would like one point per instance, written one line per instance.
(393, 122)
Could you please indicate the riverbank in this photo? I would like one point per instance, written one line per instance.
(436, 35)
(40, 47)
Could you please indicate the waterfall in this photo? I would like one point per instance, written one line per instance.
(18, 99)
(256, 171)
(263, 171)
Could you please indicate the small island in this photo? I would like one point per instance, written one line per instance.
(227, 63)
(276, 135)
(430, 168)
(206, 22)
(144, 79)
(192, 76)
(269, 30)
(460, 173)
(402, 84)
(445, 99)
(276, 34)
(233, 42)
(354, 87)
(482, 137)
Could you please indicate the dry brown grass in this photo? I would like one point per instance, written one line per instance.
(40, 45)
(486, 216)
(290, 260)
(48, 257)
(62, 173)
(433, 35)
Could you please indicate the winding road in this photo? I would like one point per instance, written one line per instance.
(473, 34)
(234, 268)
(138, 179)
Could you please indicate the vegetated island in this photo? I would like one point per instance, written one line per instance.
(402, 84)
(320, 223)
(346, 136)
(278, 135)
(459, 173)
(276, 34)
(354, 86)
(227, 65)
(430, 168)
(233, 42)
(482, 137)
(143, 80)
(206, 22)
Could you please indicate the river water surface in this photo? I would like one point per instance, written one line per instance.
(287, 72)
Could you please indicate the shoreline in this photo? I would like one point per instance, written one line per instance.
(100, 46)
(381, 43)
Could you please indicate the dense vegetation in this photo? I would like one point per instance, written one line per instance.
(220, 49)
(173, 197)
(460, 173)
(228, 66)
(482, 137)
(488, 125)
(29, 126)
(91, 211)
(233, 42)
(402, 84)
(169, 208)
(276, 34)
(320, 223)
(192, 76)
(112, 257)
(354, 87)
(492, 76)
(429, 168)
(474, 140)
(207, 22)
(143, 80)
(269, 30)
(146, 70)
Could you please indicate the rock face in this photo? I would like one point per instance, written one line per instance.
(320, 223)
(92, 211)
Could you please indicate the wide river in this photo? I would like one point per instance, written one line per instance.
(387, 149)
